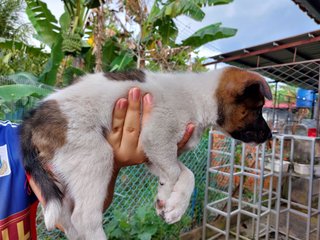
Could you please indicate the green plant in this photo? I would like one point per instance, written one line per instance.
(15, 53)
(157, 39)
(11, 22)
(144, 224)
(90, 37)
(283, 93)
(18, 93)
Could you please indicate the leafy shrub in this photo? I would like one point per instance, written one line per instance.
(144, 224)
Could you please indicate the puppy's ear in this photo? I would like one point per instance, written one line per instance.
(260, 85)
(239, 83)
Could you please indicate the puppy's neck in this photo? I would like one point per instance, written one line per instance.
(202, 89)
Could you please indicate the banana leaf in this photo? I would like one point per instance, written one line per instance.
(15, 92)
(122, 62)
(43, 21)
(183, 7)
(49, 74)
(204, 3)
(208, 34)
(168, 30)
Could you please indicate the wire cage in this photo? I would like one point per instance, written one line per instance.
(297, 210)
(257, 188)
(247, 191)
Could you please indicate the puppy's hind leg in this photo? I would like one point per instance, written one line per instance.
(89, 183)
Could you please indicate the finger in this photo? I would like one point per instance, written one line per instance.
(114, 137)
(131, 128)
(147, 107)
(186, 136)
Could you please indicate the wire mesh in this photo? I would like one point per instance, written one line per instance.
(135, 186)
(299, 74)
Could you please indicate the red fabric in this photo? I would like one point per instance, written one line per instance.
(28, 176)
(33, 214)
(21, 225)
(33, 220)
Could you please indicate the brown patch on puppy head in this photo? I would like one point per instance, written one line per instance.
(240, 95)
(134, 75)
(49, 128)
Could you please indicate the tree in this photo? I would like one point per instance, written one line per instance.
(15, 53)
(285, 94)
(12, 27)
(18, 90)
(90, 36)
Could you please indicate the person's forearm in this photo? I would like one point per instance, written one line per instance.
(111, 187)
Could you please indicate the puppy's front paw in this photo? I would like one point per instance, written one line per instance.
(164, 193)
(175, 207)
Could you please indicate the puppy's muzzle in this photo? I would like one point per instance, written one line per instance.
(257, 133)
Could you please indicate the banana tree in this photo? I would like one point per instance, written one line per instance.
(76, 40)
(19, 91)
(63, 37)
(81, 28)
(157, 39)
(160, 22)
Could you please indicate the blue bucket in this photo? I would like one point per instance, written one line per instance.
(305, 98)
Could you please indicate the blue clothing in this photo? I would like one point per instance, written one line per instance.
(16, 198)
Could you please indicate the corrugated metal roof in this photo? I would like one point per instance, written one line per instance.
(294, 60)
(311, 7)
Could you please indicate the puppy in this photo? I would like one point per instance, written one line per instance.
(66, 153)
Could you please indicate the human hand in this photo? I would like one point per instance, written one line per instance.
(124, 136)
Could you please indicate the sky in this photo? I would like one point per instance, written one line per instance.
(257, 22)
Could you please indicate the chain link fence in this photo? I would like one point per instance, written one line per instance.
(135, 186)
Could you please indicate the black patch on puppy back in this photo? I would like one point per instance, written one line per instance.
(134, 75)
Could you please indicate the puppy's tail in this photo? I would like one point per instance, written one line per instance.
(43, 178)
